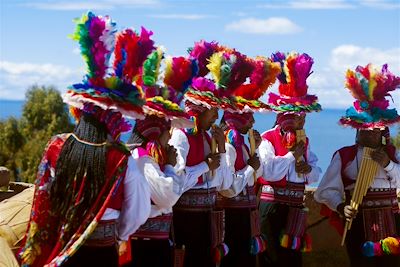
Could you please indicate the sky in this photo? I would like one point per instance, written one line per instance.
(338, 34)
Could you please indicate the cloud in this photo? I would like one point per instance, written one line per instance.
(92, 5)
(328, 83)
(180, 16)
(16, 78)
(310, 4)
(274, 25)
(381, 4)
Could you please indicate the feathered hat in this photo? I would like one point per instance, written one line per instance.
(96, 36)
(264, 74)
(229, 70)
(202, 94)
(293, 97)
(163, 99)
(369, 87)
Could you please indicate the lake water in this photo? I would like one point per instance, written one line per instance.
(322, 128)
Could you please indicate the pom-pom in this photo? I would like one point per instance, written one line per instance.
(219, 252)
(368, 249)
(390, 246)
(285, 241)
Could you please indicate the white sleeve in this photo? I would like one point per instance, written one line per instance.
(136, 204)
(181, 143)
(240, 178)
(192, 173)
(274, 167)
(313, 176)
(393, 171)
(165, 187)
(331, 189)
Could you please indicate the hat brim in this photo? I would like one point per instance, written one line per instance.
(78, 99)
(244, 105)
(284, 104)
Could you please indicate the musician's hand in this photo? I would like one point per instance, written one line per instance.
(346, 211)
(213, 161)
(254, 162)
(218, 135)
(298, 150)
(171, 155)
(303, 167)
(122, 247)
(257, 138)
(381, 157)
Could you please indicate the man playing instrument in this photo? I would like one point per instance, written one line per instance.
(372, 239)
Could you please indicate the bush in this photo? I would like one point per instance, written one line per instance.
(22, 141)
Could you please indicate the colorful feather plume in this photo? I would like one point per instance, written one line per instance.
(131, 50)
(263, 76)
(179, 72)
(95, 35)
(368, 83)
(369, 87)
(151, 67)
(229, 70)
(296, 68)
(201, 52)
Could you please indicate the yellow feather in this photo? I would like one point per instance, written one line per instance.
(372, 82)
(215, 66)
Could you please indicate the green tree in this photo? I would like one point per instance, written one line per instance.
(11, 140)
(44, 115)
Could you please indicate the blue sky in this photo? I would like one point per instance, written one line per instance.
(338, 34)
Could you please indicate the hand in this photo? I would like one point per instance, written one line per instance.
(303, 167)
(218, 135)
(171, 155)
(381, 157)
(122, 247)
(213, 161)
(298, 150)
(346, 211)
(257, 138)
(254, 162)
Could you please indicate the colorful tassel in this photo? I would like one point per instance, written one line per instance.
(219, 252)
(387, 246)
(285, 241)
(257, 245)
(307, 243)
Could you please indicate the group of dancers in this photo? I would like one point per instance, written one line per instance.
(190, 189)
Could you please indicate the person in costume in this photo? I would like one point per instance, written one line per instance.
(197, 225)
(156, 158)
(288, 165)
(89, 192)
(373, 239)
(242, 228)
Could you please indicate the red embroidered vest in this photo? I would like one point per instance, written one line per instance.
(348, 154)
(275, 138)
(113, 157)
(196, 149)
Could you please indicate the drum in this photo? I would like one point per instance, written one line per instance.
(14, 217)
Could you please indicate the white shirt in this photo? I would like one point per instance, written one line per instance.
(331, 189)
(223, 176)
(277, 167)
(136, 203)
(242, 177)
(165, 187)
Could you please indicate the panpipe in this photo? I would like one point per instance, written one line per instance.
(252, 142)
(365, 177)
(300, 137)
(213, 148)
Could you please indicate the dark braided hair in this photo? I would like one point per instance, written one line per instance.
(80, 174)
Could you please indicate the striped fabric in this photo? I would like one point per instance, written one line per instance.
(104, 235)
(155, 228)
(197, 200)
(247, 200)
(292, 194)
